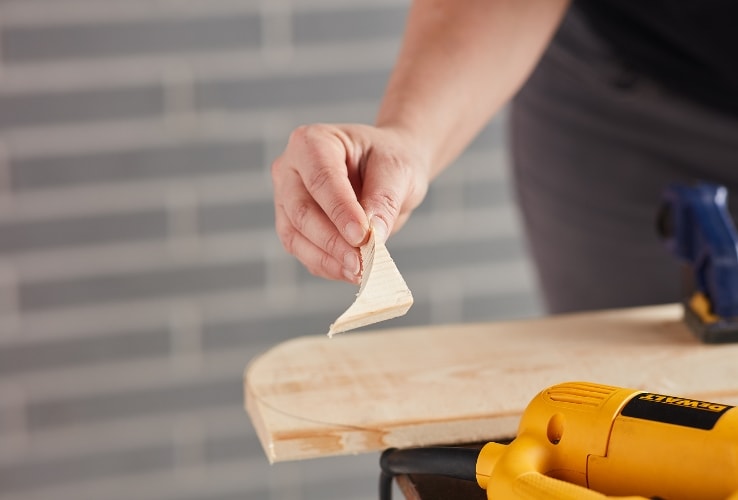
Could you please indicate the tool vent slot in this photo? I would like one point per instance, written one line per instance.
(580, 393)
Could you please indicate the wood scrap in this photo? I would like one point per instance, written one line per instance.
(383, 293)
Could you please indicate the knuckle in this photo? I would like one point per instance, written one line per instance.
(276, 170)
(389, 195)
(389, 201)
(299, 134)
(309, 135)
(305, 142)
(396, 161)
(318, 177)
(337, 212)
(332, 242)
(325, 264)
(299, 214)
(317, 149)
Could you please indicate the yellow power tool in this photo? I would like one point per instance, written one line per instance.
(581, 441)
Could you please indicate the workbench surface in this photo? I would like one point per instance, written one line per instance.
(367, 391)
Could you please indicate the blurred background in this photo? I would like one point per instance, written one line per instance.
(139, 268)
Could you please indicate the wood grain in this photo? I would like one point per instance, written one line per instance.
(383, 293)
(312, 397)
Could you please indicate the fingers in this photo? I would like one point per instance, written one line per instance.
(313, 257)
(326, 175)
(317, 215)
(299, 214)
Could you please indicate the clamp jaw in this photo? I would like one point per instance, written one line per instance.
(697, 228)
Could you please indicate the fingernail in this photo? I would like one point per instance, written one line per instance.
(380, 229)
(351, 264)
(351, 278)
(354, 233)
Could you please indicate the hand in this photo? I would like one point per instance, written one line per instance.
(331, 180)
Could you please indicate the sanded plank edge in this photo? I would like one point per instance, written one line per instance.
(313, 440)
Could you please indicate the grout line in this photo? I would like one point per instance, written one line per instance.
(6, 181)
(119, 435)
(14, 434)
(446, 302)
(152, 313)
(76, 74)
(237, 476)
(9, 306)
(137, 257)
(185, 333)
(183, 225)
(123, 377)
(114, 135)
(320, 5)
(29, 13)
(281, 272)
(135, 195)
(95, 199)
(234, 247)
(188, 435)
(3, 63)
(41, 13)
(277, 127)
(315, 296)
(277, 45)
(179, 98)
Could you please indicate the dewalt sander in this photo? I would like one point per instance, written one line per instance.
(580, 441)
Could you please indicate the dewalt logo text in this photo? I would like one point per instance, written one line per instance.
(685, 403)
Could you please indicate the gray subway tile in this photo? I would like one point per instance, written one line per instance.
(19, 236)
(46, 354)
(263, 331)
(497, 307)
(236, 216)
(442, 254)
(261, 490)
(79, 106)
(131, 286)
(478, 194)
(52, 472)
(228, 448)
(358, 485)
(342, 25)
(139, 164)
(487, 193)
(182, 399)
(37, 43)
(288, 91)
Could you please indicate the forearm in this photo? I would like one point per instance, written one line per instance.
(460, 62)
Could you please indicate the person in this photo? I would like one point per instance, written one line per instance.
(610, 100)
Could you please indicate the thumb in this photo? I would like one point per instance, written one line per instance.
(385, 187)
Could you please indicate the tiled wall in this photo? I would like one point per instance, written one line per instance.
(139, 269)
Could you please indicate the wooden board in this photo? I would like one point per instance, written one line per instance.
(314, 396)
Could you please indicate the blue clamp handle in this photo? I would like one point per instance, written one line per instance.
(698, 229)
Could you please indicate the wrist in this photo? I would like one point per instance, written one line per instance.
(416, 143)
